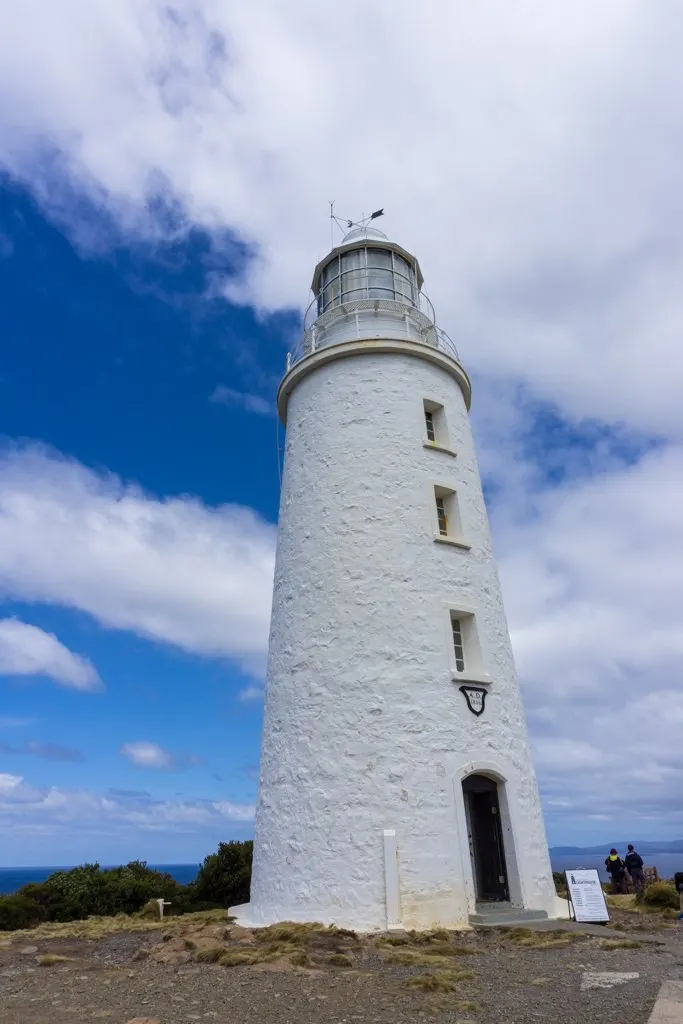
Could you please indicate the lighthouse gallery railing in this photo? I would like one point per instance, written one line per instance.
(344, 322)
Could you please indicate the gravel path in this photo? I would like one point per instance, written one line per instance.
(111, 980)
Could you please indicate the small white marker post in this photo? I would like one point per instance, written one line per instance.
(393, 901)
(161, 904)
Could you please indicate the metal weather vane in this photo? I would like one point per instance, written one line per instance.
(344, 224)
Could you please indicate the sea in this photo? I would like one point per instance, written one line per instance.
(12, 879)
(667, 864)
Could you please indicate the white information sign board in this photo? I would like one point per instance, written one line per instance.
(586, 895)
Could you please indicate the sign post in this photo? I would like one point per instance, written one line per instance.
(586, 896)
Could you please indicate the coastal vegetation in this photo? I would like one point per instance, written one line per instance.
(91, 891)
(660, 895)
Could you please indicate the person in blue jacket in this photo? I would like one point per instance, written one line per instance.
(634, 866)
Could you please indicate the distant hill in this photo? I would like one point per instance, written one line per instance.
(650, 848)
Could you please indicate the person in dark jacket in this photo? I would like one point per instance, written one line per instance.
(634, 865)
(617, 870)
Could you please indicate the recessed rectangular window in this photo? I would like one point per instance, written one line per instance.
(465, 650)
(441, 516)
(448, 523)
(458, 645)
(435, 423)
(429, 420)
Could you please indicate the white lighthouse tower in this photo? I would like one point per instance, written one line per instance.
(396, 783)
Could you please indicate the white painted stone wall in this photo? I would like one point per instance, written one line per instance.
(365, 729)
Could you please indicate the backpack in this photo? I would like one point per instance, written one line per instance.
(614, 867)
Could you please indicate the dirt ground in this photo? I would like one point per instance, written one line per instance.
(200, 968)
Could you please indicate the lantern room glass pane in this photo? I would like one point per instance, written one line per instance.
(330, 294)
(404, 278)
(380, 275)
(379, 259)
(353, 275)
(331, 270)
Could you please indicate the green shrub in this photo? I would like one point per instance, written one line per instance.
(225, 877)
(660, 894)
(560, 883)
(89, 890)
(187, 902)
(19, 912)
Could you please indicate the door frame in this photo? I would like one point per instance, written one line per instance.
(506, 799)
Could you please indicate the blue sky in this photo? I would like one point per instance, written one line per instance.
(130, 354)
(164, 180)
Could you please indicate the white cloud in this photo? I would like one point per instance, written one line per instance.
(251, 693)
(9, 782)
(593, 582)
(593, 590)
(9, 722)
(148, 755)
(172, 570)
(633, 740)
(242, 400)
(29, 651)
(535, 168)
(23, 805)
(235, 812)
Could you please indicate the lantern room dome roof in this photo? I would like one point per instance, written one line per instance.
(360, 234)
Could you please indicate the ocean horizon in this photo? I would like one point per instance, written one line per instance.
(12, 879)
(667, 864)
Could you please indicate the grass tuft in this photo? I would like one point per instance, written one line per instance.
(340, 960)
(209, 956)
(50, 959)
(446, 949)
(620, 944)
(287, 931)
(312, 935)
(517, 934)
(300, 958)
(244, 957)
(416, 958)
(555, 943)
(278, 949)
(437, 935)
(97, 927)
(437, 982)
(530, 939)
